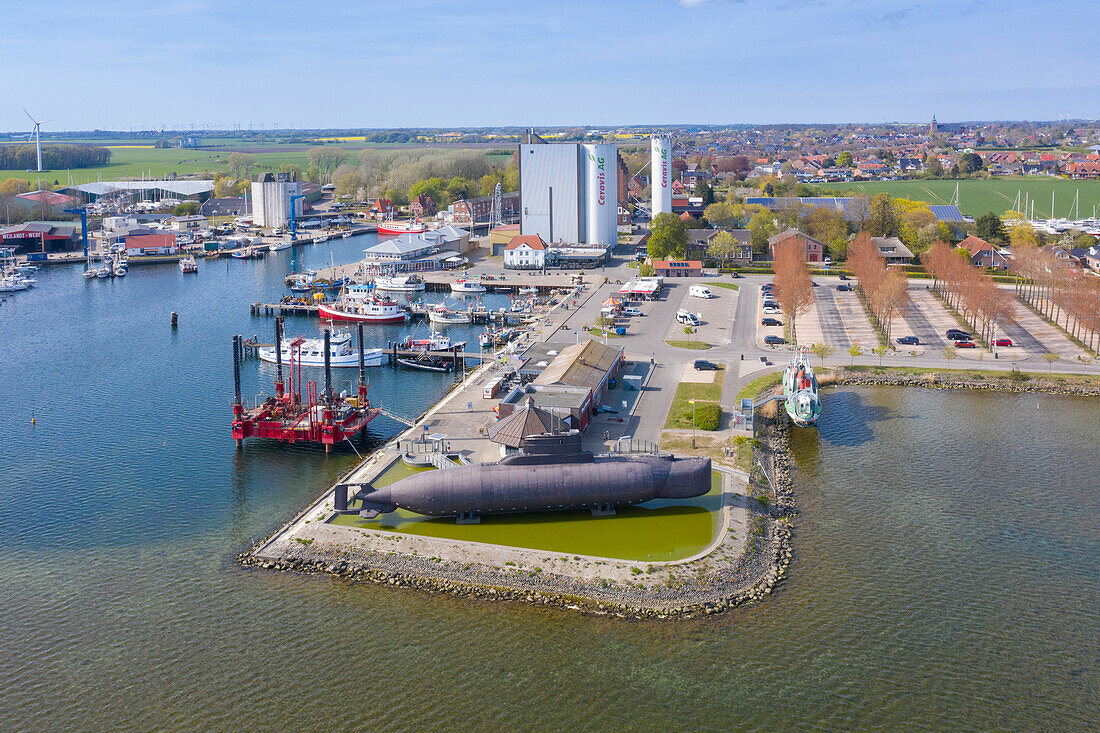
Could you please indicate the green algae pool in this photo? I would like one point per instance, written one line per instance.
(658, 530)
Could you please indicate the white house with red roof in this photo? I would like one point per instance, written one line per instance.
(525, 252)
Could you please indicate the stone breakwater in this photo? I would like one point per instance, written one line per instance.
(1078, 386)
(734, 572)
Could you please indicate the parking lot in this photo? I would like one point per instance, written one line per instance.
(715, 315)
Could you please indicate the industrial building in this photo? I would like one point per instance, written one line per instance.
(271, 199)
(569, 192)
(660, 148)
(145, 190)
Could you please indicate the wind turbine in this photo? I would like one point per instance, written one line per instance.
(37, 130)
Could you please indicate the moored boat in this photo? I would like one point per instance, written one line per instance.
(800, 392)
(188, 264)
(311, 352)
(412, 226)
(400, 283)
(373, 309)
(280, 245)
(426, 363)
(467, 286)
(446, 316)
(434, 342)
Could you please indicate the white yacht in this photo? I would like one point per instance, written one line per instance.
(280, 245)
(311, 352)
(400, 283)
(443, 315)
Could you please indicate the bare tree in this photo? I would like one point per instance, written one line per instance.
(793, 285)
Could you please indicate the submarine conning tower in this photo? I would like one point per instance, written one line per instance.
(549, 448)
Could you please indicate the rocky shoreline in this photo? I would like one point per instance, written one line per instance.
(724, 578)
(1080, 386)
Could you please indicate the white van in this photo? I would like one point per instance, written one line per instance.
(687, 318)
(700, 291)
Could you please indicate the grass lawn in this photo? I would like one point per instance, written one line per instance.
(758, 385)
(977, 196)
(689, 344)
(727, 286)
(679, 413)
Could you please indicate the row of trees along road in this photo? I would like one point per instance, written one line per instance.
(885, 291)
(794, 288)
(966, 289)
(1063, 294)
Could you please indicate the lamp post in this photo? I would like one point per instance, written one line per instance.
(692, 401)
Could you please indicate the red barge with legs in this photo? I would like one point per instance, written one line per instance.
(320, 418)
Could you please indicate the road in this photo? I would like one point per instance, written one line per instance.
(735, 342)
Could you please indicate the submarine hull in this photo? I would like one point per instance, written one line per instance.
(505, 488)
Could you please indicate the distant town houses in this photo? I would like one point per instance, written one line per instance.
(480, 209)
(422, 206)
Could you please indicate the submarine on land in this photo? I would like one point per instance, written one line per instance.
(551, 473)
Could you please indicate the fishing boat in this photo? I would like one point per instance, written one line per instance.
(11, 284)
(358, 291)
(446, 316)
(322, 238)
(400, 283)
(800, 397)
(412, 226)
(467, 286)
(426, 363)
(188, 264)
(434, 342)
(374, 309)
(311, 352)
(280, 245)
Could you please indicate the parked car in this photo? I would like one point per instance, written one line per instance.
(844, 288)
(965, 345)
(956, 335)
(735, 275)
(1003, 342)
(843, 277)
(909, 340)
(771, 322)
(631, 311)
(772, 310)
(702, 365)
(774, 340)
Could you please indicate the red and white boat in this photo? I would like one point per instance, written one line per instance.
(374, 309)
(412, 226)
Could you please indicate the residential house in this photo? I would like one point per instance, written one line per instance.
(893, 250)
(381, 209)
(984, 254)
(1060, 254)
(525, 252)
(480, 209)
(813, 249)
(422, 206)
(1085, 169)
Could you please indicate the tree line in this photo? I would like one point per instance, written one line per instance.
(884, 290)
(967, 289)
(54, 157)
(1065, 297)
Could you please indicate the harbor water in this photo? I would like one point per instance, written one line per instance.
(946, 572)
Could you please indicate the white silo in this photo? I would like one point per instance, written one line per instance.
(661, 174)
(601, 200)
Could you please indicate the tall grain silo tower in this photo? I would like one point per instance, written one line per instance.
(661, 173)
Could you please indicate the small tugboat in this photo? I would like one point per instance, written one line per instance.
(311, 352)
(373, 309)
(800, 396)
(188, 264)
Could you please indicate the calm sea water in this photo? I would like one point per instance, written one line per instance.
(947, 571)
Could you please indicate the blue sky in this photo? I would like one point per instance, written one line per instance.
(116, 64)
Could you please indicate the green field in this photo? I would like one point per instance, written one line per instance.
(977, 196)
(136, 162)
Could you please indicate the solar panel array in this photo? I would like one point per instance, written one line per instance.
(948, 214)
